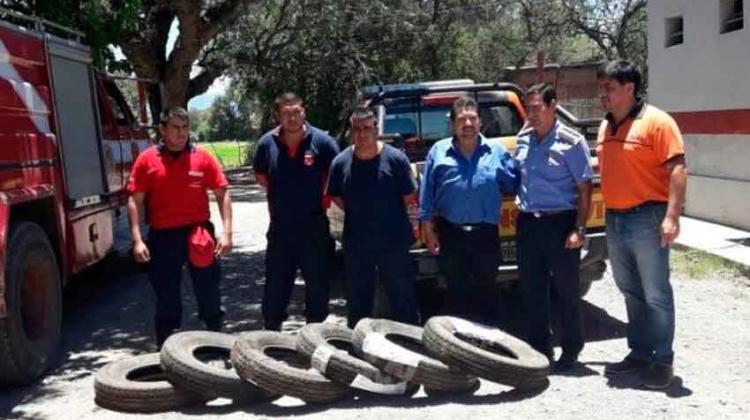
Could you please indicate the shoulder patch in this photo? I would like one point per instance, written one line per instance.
(569, 135)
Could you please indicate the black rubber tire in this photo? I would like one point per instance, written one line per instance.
(289, 374)
(179, 357)
(30, 333)
(139, 385)
(315, 341)
(416, 364)
(486, 352)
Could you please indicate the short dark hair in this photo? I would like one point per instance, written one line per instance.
(174, 112)
(623, 71)
(463, 102)
(286, 98)
(363, 113)
(547, 91)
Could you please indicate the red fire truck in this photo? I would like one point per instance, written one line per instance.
(67, 142)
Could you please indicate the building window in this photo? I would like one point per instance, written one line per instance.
(731, 14)
(673, 27)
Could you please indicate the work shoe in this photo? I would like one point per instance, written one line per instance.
(566, 362)
(629, 364)
(657, 376)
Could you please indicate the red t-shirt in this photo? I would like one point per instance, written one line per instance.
(176, 187)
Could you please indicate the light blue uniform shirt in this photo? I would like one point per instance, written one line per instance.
(551, 169)
(465, 191)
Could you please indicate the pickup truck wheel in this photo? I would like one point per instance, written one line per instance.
(30, 334)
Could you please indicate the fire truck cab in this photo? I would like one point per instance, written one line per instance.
(67, 143)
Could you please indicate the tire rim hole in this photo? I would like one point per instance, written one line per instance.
(288, 356)
(409, 343)
(214, 356)
(153, 373)
(486, 345)
(342, 344)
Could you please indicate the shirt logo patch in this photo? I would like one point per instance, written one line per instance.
(195, 173)
(309, 159)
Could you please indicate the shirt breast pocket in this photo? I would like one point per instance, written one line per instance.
(196, 179)
(637, 144)
(555, 167)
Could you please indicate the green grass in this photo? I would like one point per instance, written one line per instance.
(230, 154)
(701, 265)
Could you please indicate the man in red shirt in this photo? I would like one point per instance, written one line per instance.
(171, 181)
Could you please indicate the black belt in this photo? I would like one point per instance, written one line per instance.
(643, 205)
(469, 227)
(541, 214)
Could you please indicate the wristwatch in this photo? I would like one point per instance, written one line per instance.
(581, 230)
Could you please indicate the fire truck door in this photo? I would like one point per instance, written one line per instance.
(78, 123)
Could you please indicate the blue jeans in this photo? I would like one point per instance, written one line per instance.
(641, 269)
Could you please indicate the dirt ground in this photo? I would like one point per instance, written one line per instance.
(107, 317)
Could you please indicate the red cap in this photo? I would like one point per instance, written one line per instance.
(201, 246)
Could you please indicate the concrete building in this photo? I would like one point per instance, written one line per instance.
(699, 71)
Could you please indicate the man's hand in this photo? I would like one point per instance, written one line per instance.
(670, 229)
(140, 252)
(575, 240)
(430, 238)
(224, 246)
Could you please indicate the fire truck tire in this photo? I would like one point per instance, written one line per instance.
(486, 352)
(270, 359)
(330, 348)
(183, 355)
(398, 350)
(139, 385)
(30, 333)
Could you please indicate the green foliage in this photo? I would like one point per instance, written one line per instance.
(88, 16)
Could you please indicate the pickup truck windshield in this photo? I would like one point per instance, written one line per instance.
(498, 120)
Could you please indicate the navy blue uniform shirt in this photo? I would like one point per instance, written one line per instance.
(551, 169)
(295, 183)
(375, 217)
(462, 190)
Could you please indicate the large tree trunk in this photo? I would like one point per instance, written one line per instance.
(145, 46)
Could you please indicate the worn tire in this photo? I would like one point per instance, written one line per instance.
(30, 333)
(139, 385)
(486, 352)
(330, 348)
(382, 343)
(179, 357)
(270, 359)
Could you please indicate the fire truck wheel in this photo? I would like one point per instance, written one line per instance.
(138, 385)
(398, 350)
(30, 334)
(270, 359)
(199, 361)
(330, 348)
(486, 352)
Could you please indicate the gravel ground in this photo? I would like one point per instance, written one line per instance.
(108, 317)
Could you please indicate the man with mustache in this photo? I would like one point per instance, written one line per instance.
(460, 195)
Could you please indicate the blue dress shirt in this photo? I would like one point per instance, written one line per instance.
(551, 169)
(462, 190)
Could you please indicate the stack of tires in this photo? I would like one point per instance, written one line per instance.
(321, 364)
